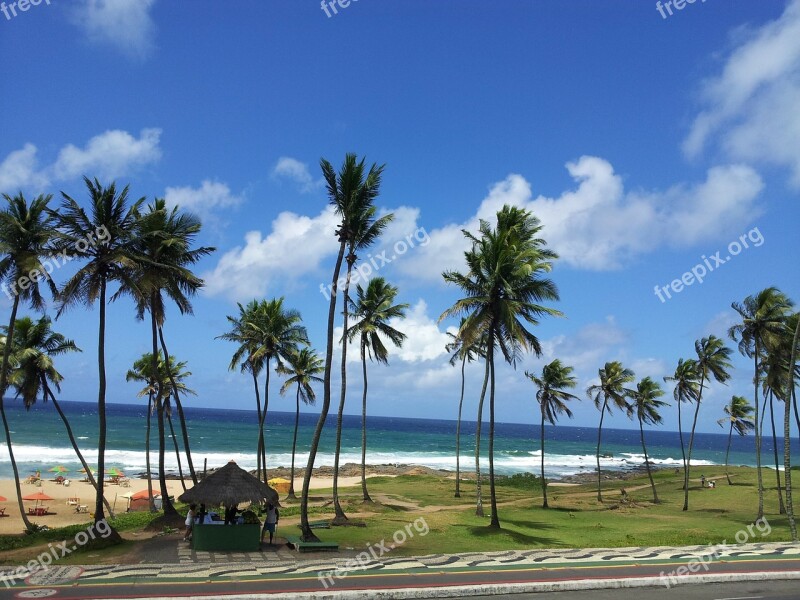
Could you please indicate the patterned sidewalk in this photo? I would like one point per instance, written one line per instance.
(280, 561)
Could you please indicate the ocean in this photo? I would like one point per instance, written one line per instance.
(219, 435)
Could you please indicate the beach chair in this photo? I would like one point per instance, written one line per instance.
(73, 501)
(3, 512)
(82, 508)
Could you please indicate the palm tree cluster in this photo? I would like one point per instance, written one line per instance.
(147, 252)
(122, 249)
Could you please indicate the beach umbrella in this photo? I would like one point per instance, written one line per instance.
(58, 469)
(115, 472)
(3, 499)
(38, 497)
(229, 486)
(93, 471)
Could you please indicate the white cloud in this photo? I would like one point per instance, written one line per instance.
(19, 170)
(211, 195)
(425, 341)
(598, 225)
(296, 171)
(587, 349)
(125, 24)
(247, 271)
(751, 105)
(109, 155)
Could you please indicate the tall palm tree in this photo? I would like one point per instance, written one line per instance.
(374, 308)
(164, 244)
(713, 361)
(739, 418)
(687, 389)
(364, 230)
(646, 405)
(248, 358)
(350, 191)
(112, 222)
(25, 236)
(280, 335)
(613, 379)
(164, 383)
(463, 354)
(552, 396)
(303, 367)
(34, 374)
(503, 290)
(787, 464)
(762, 315)
(774, 385)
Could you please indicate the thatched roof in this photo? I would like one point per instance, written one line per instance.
(228, 486)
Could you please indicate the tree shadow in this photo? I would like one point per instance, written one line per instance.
(483, 531)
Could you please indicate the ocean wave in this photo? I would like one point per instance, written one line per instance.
(132, 462)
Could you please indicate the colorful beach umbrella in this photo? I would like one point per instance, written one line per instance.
(115, 472)
(3, 499)
(38, 497)
(93, 470)
(59, 469)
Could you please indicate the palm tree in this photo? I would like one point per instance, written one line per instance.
(687, 389)
(739, 414)
(613, 379)
(775, 379)
(142, 371)
(279, 335)
(464, 354)
(762, 315)
(351, 191)
(363, 230)
(25, 235)
(646, 404)
(112, 221)
(165, 384)
(552, 396)
(503, 289)
(713, 360)
(247, 357)
(303, 367)
(374, 308)
(787, 465)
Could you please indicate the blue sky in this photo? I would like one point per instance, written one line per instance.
(643, 143)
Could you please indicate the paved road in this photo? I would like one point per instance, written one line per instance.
(147, 587)
(767, 590)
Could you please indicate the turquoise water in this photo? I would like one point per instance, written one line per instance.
(222, 435)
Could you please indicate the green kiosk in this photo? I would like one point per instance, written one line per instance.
(228, 486)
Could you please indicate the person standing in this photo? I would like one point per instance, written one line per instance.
(189, 523)
(270, 522)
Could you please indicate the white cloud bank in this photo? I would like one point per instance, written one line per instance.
(598, 225)
(114, 153)
(210, 196)
(751, 107)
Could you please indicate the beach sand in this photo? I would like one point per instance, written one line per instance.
(66, 515)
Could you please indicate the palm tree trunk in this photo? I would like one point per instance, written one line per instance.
(294, 442)
(261, 440)
(781, 507)
(599, 434)
(728, 452)
(758, 436)
(305, 529)
(72, 440)
(495, 522)
(458, 430)
(101, 406)
(691, 445)
(166, 505)
(787, 437)
(150, 501)
(478, 496)
(683, 448)
(179, 406)
(544, 481)
(340, 517)
(647, 464)
(258, 411)
(177, 450)
(364, 493)
(3, 383)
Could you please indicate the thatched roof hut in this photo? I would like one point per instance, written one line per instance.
(229, 486)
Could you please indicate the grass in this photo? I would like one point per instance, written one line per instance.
(419, 515)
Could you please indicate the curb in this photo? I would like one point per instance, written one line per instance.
(463, 591)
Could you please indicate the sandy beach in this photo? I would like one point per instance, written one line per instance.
(66, 515)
